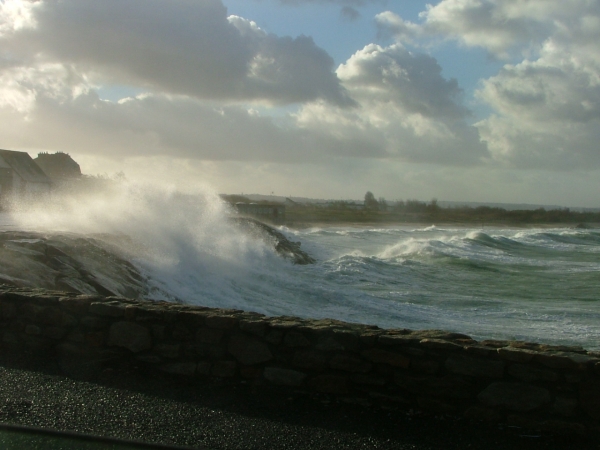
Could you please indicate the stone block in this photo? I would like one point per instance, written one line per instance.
(440, 344)
(385, 357)
(181, 333)
(8, 310)
(389, 400)
(158, 332)
(564, 406)
(436, 405)
(310, 359)
(251, 372)
(210, 351)
(295, 339)
(478, 350)
(95, 338)
(209, 335)
(130, 335)
(94, 323)
(56, 333)
(483, 414)
(370, 380)
(149, 359)
(52, 316)
(398, 340)
(329, 384)
(564, 360)
(466, 365)
(107, 309)
(203, 368)
(255, 327)
(170, 351)
(187, 369)
(425, 366)
(221, 322)
(249, 351)
(281, 324)
(528, 373)
(274, 337)
(33, 330)
(520, 355)
(514, 396)
(589, 398)
(329, 344)
(564, 427)
(450, 386)
(77, 305)
(349, 364)
(82, 362)
(224, 369)
(284, 377)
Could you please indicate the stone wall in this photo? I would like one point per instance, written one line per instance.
(554, 388)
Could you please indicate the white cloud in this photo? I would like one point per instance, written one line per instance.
(546, 104)
(188, 48)
(406, 107)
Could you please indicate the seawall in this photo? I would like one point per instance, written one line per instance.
(553, 388)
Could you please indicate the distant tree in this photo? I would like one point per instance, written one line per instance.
(433, 205)
(370, 202)
(383, 206)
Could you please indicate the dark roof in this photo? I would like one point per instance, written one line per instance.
(24, 166)
(58, 165)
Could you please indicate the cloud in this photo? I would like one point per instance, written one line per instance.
(406, 107)
(339, 2)
(547, 111)
(497, 26)
(189, 48)
(546, 103)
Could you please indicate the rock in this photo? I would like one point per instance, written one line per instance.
(527, 373)
(382, 356)
(284, 377)
(349, 364)
(465, 365)
(187, 369)
(209, 335)
(286, 248)
(295, 339)
(589, 398)
(514, 396)
(310, 359)
(224, 369)
(249, 351)
(330, 384)
(130, 335)
(564, 406)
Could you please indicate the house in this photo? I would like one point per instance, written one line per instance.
(59, 166)
(20, 177)
(274, 212)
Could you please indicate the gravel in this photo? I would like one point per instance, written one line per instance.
(130, 405)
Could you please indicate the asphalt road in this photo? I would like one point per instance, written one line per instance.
(130, 405)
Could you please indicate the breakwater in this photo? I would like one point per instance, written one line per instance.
(553, 388)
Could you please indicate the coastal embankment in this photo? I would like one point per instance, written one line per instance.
(555, 389)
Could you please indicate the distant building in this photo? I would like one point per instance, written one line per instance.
(58, 166)
(21, 177)
(274, 212)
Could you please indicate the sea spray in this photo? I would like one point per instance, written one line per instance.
(523, 284)
(184, 243)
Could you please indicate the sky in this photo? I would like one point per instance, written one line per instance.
(461, 100)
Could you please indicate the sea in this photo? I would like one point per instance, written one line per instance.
(537, 284)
